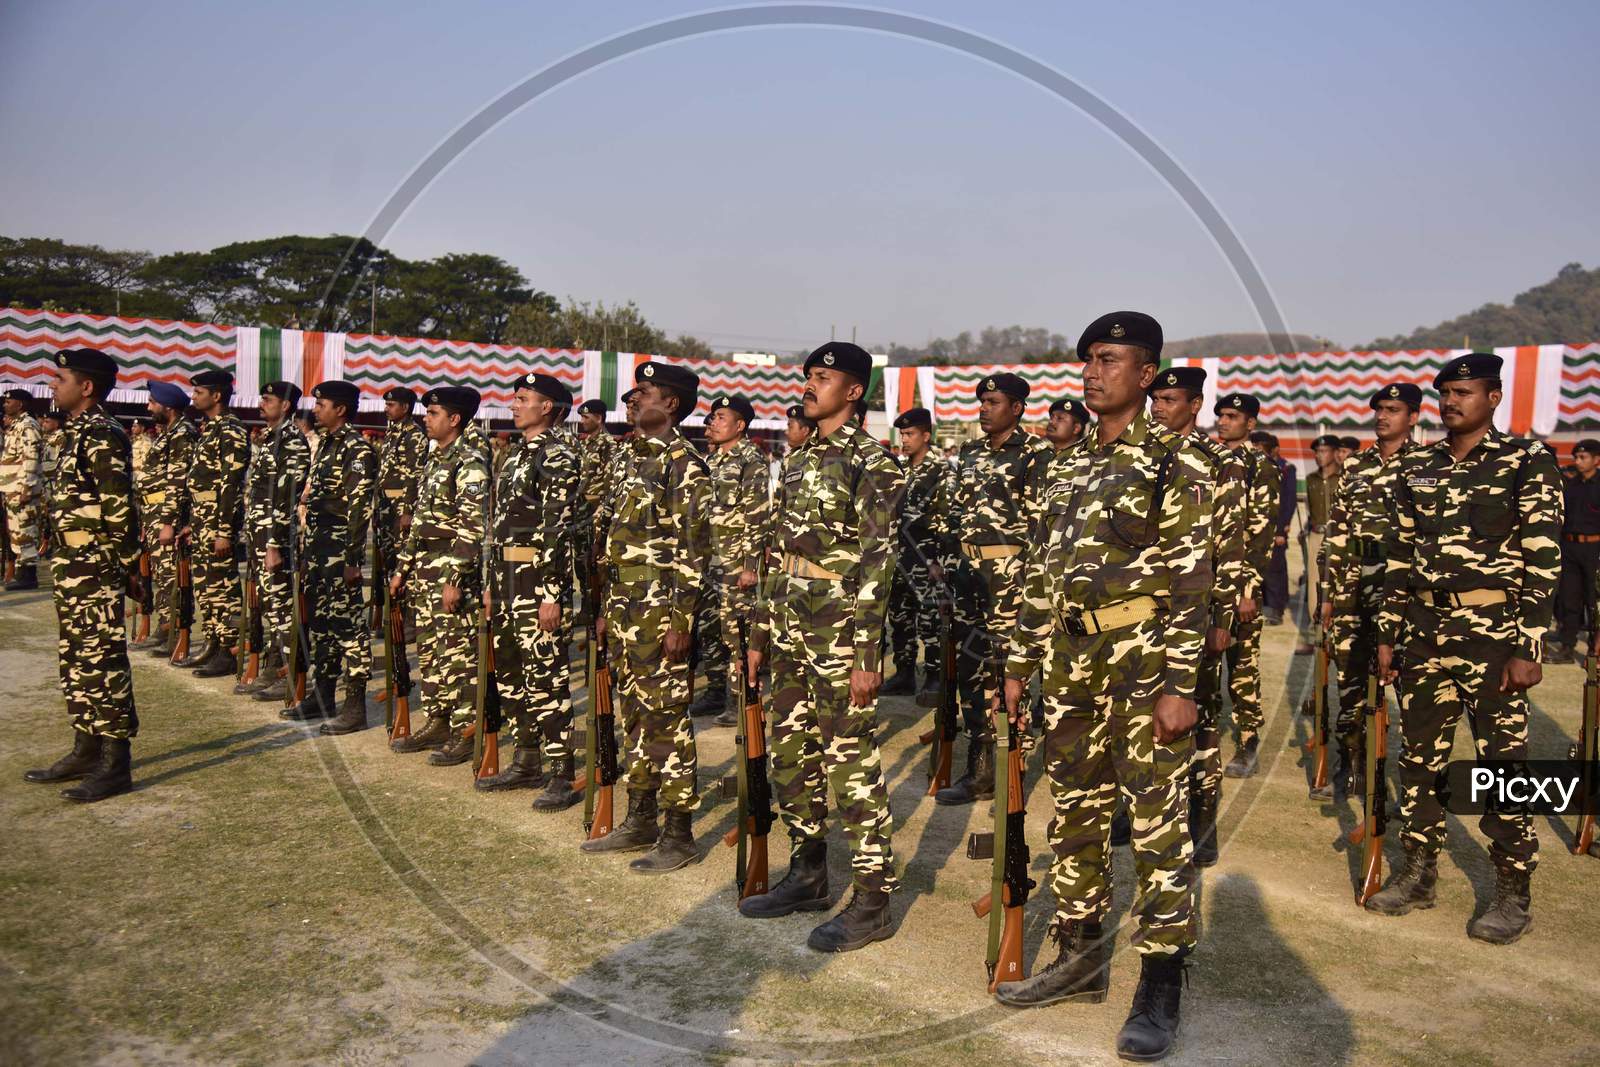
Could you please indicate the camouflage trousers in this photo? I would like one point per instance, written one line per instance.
(532, 667)
(216, 589)
(1244, 679)
(1355, 648)
(387, 542)
(24, 523)
(96, 678)
(651, 695)
(1099, 698)
(1450, 670)
(274, 600)
(727, 608)
(447, 647)
(819, 743)
(335, 630)
(914, 613)
(987, 595)
(163, 575)
(1206, 771)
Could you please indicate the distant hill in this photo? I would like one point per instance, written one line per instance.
(1238, 344)
(1566, 308)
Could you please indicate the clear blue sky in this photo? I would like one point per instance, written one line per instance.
(1387, 165)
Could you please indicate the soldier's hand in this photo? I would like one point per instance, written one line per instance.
(936, 572)
(395, 585)
(273, 559)
(1218, 638)
(1247, 608)
(135, 586)
(167, 534)
(450, 597)
(864, 687)
(1015, 690)
(677, 646)
(1174, 717)
(488, 603)
(752, 666)
(600, 626)
(1326, 611)
(352, 574)
(747, 579)
(405, 522)
(1386, 671)
(221, 546)
(1279, 541)
(549, 616)
(1519, 674)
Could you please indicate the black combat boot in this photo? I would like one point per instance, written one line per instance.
(712, 700)
(1203, 825)
(27, 577)
(196, 657)
(168, 645)
(637, 830)
(1081, 971)
(221, 663)
(318, 704)
(1243, 764)
(1152, 1023)
(1409, 887)
(1121, 825)
(454, 752)
(275, 691)
(434, 733)
(673, 850)
(904, 680)
(523, 772)
(82, 760)
(114, 775)
(978, 782)
(353, 715)
(729, 716)
(1507, 918)
(266, 674)
(932, 687)
(1338, 785)
(803, 888)
(864, 920)
(559, 793)
(157, 639)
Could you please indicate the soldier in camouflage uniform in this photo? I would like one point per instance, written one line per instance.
(95, 565)
(216, 519)
(143, 438)
(835, 521)
(441, 563)
(596, 447)
(739, 503)
(1469, 584)
(656, 526)
(1353, 564)
(1115, 607)
(53, 425)
(922, 563)
(1068, 421)
(1236, 418)
(23, 487)
(336, 505)
(277, 475)
(1175, 400)
(988, 522)
(401, 454)
(163, 502)
(529, 589)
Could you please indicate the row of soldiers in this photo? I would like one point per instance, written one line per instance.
(1119, 573)
(28, 456)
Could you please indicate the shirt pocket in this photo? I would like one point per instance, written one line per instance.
(1491, 517)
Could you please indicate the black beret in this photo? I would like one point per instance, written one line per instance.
(629, 395)
(169, 395)
(90, 361)
(914, 417)
(1262, 437)
(287, 391)
(1352, 443)
(844, 356)
(1122, 328)
(1470, 366)
(1405, 391)
(741, 407)
(459, 399)
(1238, 401)
(1588, 444)
(1190, 378)
(545, 385)
(1012, 385)
(19, 394)
(796, 411)
(338, 392)
(592, 407)
(1072, 407)
(399, 394)
(681, 380)
(55, 413)
(219, 380)
(1327, 440)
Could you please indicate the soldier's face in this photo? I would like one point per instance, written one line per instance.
(395, 411)
(1175, 409)
(440, 422)
(1341, 454)
(70, 390)
(1467, 406)
(652, 407)
(829, 392)
(204, 401)
(1325, 454)
(723, 426)
(1393, 419)
(914, 440)
(1585, 462)
(1234, 425)
(589, 422)
(997, 412)
(273, 408)
(796, 433)
(1115, 377)
(13, 407)
(530, 409)
(327, 414)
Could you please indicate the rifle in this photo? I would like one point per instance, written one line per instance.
(1588, 750)
(295, 670)
(600, 742)
(1318, 741)
(248, 660)
(182, 600)
(942, 737)
(486, 726)
(1007, 846)
(8, 554)
(750, 786)
(1374, 794)
(147, 602)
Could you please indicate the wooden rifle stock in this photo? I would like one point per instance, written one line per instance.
(600, 743)
(486, 742)
(943, 734)
(753, 791)
(1007, 847)
(1318, 742)
(181, 592)
(1589, 752)
(1369, 835)
(146, 603)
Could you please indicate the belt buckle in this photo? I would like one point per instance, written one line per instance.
(1072, 620)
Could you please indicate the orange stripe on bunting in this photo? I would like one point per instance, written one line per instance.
(1526, 384)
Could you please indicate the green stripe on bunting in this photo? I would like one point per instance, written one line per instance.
(271, 355)
(608, 379)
